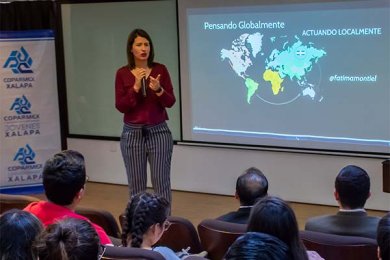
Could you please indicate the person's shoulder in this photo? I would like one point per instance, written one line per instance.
(318, 220)
(321, 217)
(166, 252)
(162, 249)
(374, 219)
(228, 216)
(36, 205)
(32, 206)
(236, 217)
(357, 215)
(159, 66)
(123, 69)
(313, 255)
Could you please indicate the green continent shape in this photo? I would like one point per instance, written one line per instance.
(275, 79)
(295, 61)
(252, 86)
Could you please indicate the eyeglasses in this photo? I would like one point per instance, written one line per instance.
(102, 250)
(166, 225)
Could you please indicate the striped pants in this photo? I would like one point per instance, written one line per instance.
(140, 144)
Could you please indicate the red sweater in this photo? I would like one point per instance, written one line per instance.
(149, 110)
(48, 213)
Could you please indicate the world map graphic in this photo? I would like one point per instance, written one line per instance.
(288, 72)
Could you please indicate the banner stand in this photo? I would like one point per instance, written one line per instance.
(29, 110)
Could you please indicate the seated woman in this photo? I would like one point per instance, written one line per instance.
(274, 216)
(254, 245)
(69, 238)
(18, 230)
(145, 222)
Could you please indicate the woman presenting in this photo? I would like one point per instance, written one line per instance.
(143, 91)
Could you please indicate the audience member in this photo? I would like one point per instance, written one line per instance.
(274, 216)
(254, 245)
(383, 238)
(250, 186)
(18, 230)
(64, 181)
(145, 222)
(68, 239)
(352, 189)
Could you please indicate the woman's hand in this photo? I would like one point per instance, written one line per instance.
(138, 73)
(154, 83)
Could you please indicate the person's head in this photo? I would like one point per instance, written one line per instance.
(145, 220)
(274, 216)
(139, 46)
(64, 177)
(18, 230)
(68, 239)
(254, 245)
(352, 187)
(250, 186)
(383, 237)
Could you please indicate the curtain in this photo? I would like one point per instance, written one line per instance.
(28, 15)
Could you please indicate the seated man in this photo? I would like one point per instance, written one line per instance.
(250, 186)
(64, 180)
(352, 189)
(383, 237)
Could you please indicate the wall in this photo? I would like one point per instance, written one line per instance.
(307, 178)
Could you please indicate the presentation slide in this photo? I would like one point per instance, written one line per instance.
(305, 75)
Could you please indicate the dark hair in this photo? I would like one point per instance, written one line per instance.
(18, 230)
(383, 236)
(143, 210)
(130, 40)
(64, 176)
(274, 216)
(251, 186)
(68, 239)
(254, 245)
(353, 186)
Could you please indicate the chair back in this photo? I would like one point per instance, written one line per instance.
(102, 218)
(335, 247)
(180, 235)
(113, 252)
(217, 236)
(8, 201)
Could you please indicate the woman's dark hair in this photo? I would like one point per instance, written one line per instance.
(383, 236)
(274, 216)
(68, 239)
(130, 40)
(143, 210)
(254, 245)
(18, 230)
